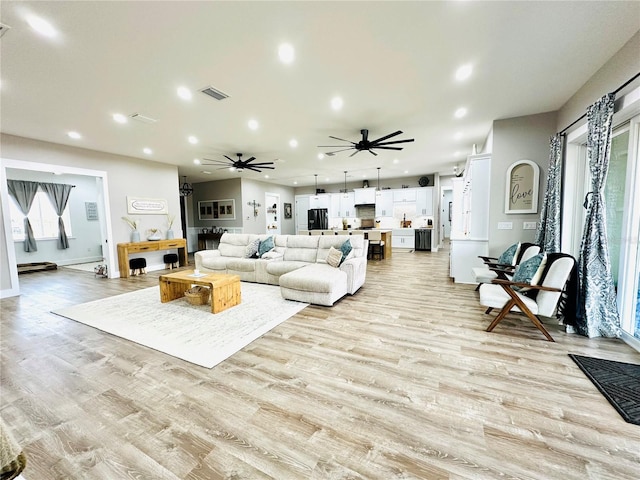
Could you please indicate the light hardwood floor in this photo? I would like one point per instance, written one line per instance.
(399, 381)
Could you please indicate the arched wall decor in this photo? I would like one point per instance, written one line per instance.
(523, 182)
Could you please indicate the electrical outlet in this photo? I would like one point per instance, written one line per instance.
(505, 225)
(529, 225)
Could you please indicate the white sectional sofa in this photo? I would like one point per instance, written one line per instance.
(297, 264)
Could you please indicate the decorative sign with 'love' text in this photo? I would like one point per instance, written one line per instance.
(522, 187)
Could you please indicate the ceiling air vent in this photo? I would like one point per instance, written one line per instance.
(215, 93)
(3, 29)
(141, 118)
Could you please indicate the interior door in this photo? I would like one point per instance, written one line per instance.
(273, 211)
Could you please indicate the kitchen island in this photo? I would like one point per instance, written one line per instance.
(385, 233)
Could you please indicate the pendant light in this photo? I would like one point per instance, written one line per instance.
(378, 187)
(345, 195)
(186, 189)
(316, 175)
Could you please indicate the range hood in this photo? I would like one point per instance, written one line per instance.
(365, 205)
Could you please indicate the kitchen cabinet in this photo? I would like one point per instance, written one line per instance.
(347, 205)
(364, 196)
(384, 203)
(319, 201)
(403, 238)
(424, 201)
(334, 205)
(404, 195)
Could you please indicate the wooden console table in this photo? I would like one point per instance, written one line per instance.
(125, 249)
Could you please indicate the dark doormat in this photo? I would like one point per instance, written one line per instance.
(619, 383)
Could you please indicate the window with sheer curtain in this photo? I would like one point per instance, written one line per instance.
(43, 218)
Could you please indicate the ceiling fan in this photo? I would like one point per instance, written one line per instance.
(240, 164)
(366, 144)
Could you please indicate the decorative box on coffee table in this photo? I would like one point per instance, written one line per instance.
(225, 289)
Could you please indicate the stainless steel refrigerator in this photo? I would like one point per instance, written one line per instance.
(318, 219)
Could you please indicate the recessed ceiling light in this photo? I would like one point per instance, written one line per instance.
(458, 136)
(74, 135)
(336, 103)
(266, 176)
(320, 156)
(206, 172)
(395, 160)
(184, 93)
(120, 118)
(41, 26)
(406, 171)
(286, 53)
(147, 150)
(193, 140)
(293, 143)
(232, 169)
(295, 183)
(196, 161)
(456, 153)
(253, 124)
(326, 179)
(461, 112)
(464, 72)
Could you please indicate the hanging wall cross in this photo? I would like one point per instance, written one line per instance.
(255, 206)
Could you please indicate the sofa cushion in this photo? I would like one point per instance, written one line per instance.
(266, 245)
(233, 245)
(302, 248)
(315, 278)
(251, 250)
(241, 264)
(280, 268)
(215, 263)
(334, 257)
(346, 249)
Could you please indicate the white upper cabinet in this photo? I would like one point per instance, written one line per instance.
(404, 195)
(347, 205)
(319, 201)
(364, 196)
(384, 203)
(334, 205)
(424, 201)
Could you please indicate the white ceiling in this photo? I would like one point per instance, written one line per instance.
(393, 63)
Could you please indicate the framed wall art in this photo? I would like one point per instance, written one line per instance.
(287, 210)
(146, 206)
(521, 193)
(217, 209)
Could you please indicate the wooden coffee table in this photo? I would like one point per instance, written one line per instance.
(225, 289)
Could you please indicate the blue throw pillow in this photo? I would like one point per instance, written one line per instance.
(530, 271)
(510, 255)
(345, 248)
(266, 245)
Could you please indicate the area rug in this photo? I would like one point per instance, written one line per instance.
(187, 331)
(619, 383)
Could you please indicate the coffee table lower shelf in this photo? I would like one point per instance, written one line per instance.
(225, 289)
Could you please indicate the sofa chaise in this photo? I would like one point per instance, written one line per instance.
(297, 263)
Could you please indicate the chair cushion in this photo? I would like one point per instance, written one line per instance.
(334, 258)
(510, 255)
(494, 296)
(530, 271)
(266, 245)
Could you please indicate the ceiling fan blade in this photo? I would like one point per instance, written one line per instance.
(391, 143)
(338, 151)
(249, 160)
(386, 136)
(365, 134)
(373, 153)
(229, 158)
(252, 169)
(263, 164)
(342, 139)
(353, 153)
(217, 163)
(334, 146)
(387, 148)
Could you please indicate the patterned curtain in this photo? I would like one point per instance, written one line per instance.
(58, 194)
(548, 234)
(24, 192)
(597, 310)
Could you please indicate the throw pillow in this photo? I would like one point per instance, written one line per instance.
(334, 258)
(510, 255)
(266, 245)
(345, 248)
(251, 249)
(530, 271)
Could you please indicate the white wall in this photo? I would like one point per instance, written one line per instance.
(521, 138)
(255, 190)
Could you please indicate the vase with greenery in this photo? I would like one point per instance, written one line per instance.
(133, 223)
(154, 234)
(170, 220)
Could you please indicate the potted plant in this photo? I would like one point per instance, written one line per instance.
(154, 234)
(133, 223)
(170, 220)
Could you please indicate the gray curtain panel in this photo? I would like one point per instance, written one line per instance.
(24, 192)
(58, 193)
(597, 310)
(548, 234)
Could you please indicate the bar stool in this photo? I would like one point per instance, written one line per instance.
(376, 244)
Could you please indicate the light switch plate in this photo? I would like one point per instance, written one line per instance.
(529, 225)
(505, 225)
